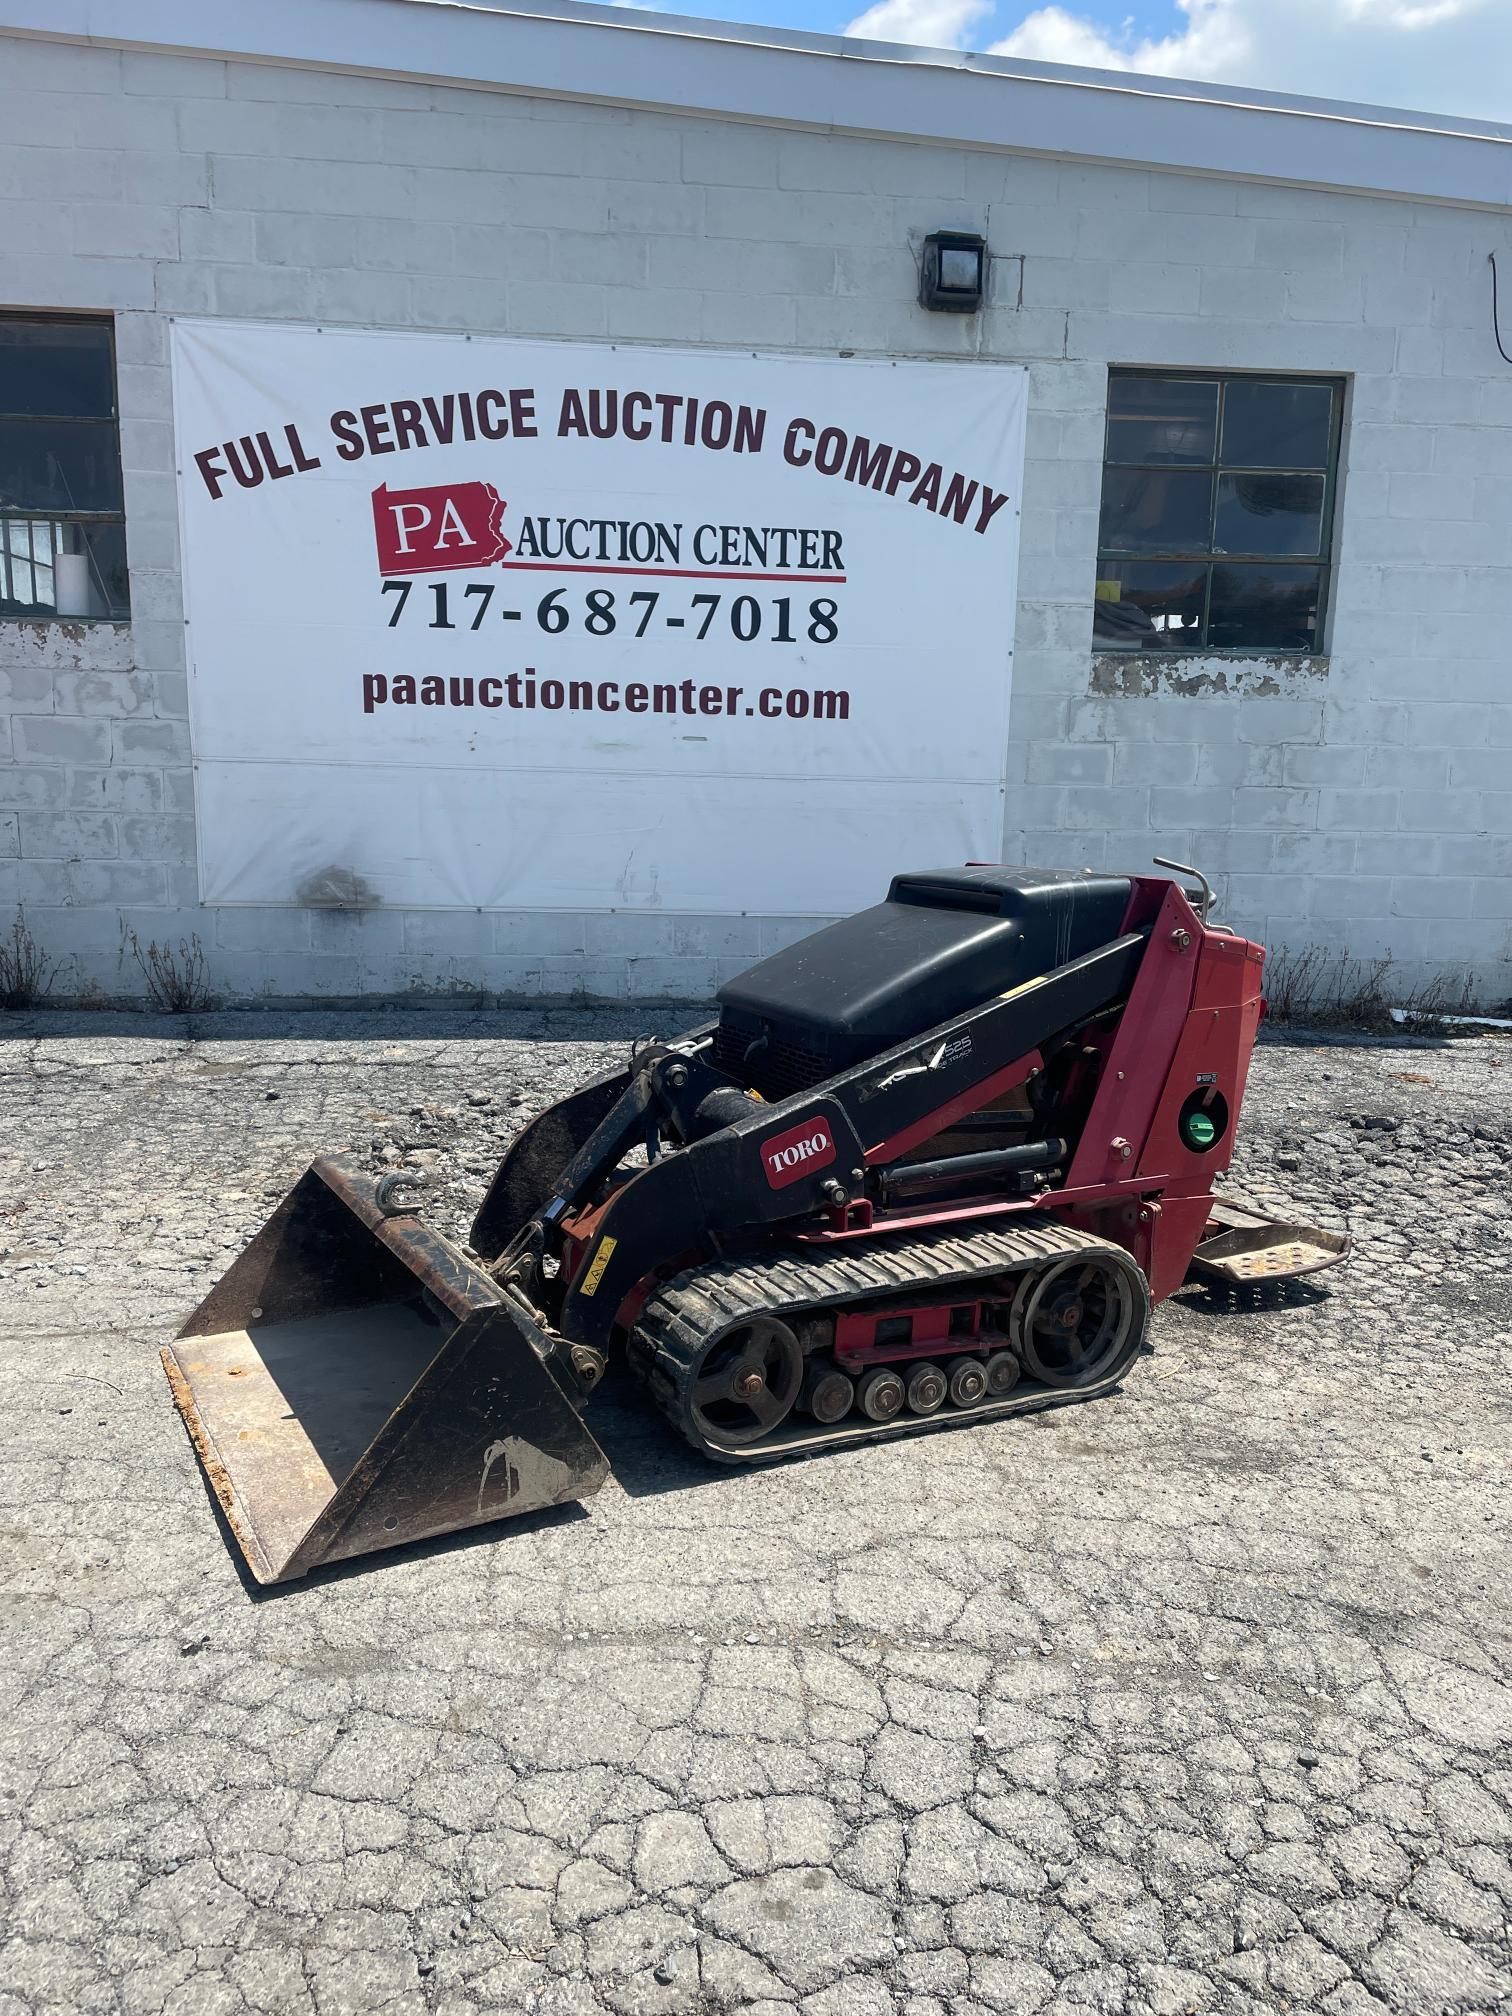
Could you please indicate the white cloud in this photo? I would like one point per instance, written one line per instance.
(937, 24)
(1217, 40)
(1450, 56)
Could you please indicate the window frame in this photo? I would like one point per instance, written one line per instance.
(1337, 385)
(56, 520)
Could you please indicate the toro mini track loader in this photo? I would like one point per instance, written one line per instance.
(930, 1166)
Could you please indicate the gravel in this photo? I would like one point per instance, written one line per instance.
(1195, 1699)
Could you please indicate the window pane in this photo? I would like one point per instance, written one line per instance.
(1162, 420)
(1156, 510)
(49, 569)
(26, 570)
(1269, 426)
(1263, 607)
(109, 592)
(1148, 605)
(46, 465)
(56, 367)
(1269, 514)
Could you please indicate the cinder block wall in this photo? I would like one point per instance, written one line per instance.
(1362, 800)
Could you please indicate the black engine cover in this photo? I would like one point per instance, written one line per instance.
(943, 941)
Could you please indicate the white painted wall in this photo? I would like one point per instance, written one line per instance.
(1364, 800)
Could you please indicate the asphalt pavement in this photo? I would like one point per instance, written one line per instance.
(1197, 1698)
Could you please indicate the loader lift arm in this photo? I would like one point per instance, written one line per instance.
(719, 1183)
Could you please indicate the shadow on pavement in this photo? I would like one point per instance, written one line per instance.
(1214, 1298)
(645, 1457)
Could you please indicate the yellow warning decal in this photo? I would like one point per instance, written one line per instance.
(597, 1265)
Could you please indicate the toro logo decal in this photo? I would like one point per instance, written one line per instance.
(802, 1149)
(432, 531)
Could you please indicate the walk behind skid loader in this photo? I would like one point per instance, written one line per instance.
(930, 1166)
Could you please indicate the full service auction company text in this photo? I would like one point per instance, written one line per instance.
(793, 556)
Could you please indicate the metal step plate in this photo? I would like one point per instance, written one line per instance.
(1242, 1246)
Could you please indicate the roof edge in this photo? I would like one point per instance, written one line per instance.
(776, 76)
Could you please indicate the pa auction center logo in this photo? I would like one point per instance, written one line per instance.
(450, 525)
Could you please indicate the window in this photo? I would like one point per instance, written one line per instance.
(1217, 512)
(62, 534)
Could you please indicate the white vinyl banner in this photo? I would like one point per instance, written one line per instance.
(496, 624)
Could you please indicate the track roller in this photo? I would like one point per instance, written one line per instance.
(828, 1393)
(1003, 1371)
(968, 1381)
(927, 1387)
(880, 1394)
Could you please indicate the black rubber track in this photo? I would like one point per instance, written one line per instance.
(687, 1316)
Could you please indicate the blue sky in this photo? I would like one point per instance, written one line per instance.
(1445, 56)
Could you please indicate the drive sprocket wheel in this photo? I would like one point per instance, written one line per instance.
(747, 1384)
(1072, 1320)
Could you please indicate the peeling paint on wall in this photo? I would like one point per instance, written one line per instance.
(67, 647)
(1129, 676)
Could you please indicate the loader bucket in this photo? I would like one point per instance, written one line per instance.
(354, 1382)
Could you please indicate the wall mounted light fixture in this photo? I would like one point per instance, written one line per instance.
(953, 273)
